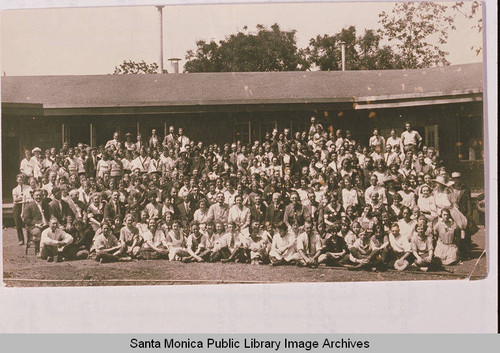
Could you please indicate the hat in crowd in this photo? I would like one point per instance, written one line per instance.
(183, 150)
(73, 193)
(401, 265)
(36, 149)
(440, 179)
(456, 175)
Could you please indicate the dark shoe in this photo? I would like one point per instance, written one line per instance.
(59, 259)
(50, 259)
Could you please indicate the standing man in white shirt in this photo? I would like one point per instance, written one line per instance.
(410, 139)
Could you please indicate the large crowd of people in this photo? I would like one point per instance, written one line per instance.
(308, 198)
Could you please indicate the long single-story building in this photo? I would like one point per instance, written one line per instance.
(445, 104)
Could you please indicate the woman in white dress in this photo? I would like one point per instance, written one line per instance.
(176, 242)
(283, 246)
(443, 200)
(427, 203)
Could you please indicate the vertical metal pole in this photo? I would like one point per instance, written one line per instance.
(160, 17)
(138, 129)
(342, 45)
(63, 136)
(91, 135)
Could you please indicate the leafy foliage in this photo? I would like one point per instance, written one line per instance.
(362, 52)
(132, 67)
(268, 49)
(472, 11)
(413, 27)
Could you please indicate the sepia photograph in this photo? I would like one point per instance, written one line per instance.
(243, 144)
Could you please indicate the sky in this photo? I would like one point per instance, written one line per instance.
(83, 41)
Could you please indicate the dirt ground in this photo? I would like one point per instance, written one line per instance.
(21, 270)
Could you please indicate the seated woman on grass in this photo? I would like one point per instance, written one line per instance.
(107, 248)
(155, 245)
(216, 242)
(257, 245)
(129, 235)
(448, 237)
(283, 246)
(353, 234)
(176, 242)
(379, 246)
(423, 249)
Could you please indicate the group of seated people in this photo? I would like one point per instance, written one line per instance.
(317, 197)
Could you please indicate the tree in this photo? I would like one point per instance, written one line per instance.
(472, 11)
(132, 67)
(361, 53)
(268, 49)
(416, 30)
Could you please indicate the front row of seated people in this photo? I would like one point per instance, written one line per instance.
(407, 243)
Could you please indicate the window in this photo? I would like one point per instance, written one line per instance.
(470, 143)
(259, 129)
(242, 132)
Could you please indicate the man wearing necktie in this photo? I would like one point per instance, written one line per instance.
(59, 208)
(36, 215)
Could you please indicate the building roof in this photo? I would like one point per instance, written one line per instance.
(192, 89)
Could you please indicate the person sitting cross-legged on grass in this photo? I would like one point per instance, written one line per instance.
(283, 246)
(308, 246)
(401, 248)
(217, 242)
(54, 241)
(176, 242)
(334, 251)
(360, 253)
(196, 244)
(129, 234)
(237, 243)
(106, 247)
(257, 245)
(155, 244)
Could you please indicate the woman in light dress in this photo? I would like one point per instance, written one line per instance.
(442, 197)
(448, 235)
(283, 246)
(427, 203)
(176, 242)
